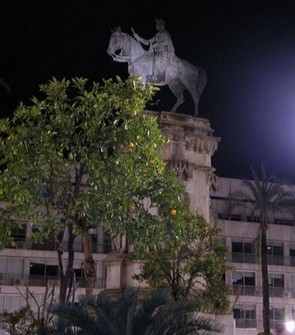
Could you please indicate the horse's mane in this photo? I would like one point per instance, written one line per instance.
(127, 40)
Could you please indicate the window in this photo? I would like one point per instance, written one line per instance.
(46, 245)
(40, 273)
(275, 253)
(107, 243)
(252, 218)
(292, 286)
(94, 240)
(245, 316)
(243, 283)
(276, 284)
(276, 280)
(277, 317)
(79, 274)
(292, 255)
(277, 313)
(243, 252)
(19, 233)
(284, 222)
(231, 217)
(43, 269)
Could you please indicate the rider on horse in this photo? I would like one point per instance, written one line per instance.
(163, 51)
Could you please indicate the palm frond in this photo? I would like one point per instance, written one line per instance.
(130, 315)
(182, 318)
(124, 309)
(148, 307)
(76, 316)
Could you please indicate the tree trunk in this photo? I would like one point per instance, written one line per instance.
(65, 278)
(89, 266)
(265, 288)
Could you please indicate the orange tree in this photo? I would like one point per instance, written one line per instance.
(70, 165)
(189, 260)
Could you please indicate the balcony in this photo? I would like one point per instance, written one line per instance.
(274, 292)
(240, 257)
(246, 323)
(34, 280)
(251, 258)
(244, 290)
(97, 248)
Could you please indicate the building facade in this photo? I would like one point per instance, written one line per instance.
(239, 231)
(190, 149)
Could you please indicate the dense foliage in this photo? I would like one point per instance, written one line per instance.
(131, 314)
(189, 261)
(83, 155)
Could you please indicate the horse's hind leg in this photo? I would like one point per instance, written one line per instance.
(195, 87)
(195, 94)
(177, 89)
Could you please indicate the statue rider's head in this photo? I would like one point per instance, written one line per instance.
(160, 25)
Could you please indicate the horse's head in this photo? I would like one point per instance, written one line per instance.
(118, 44)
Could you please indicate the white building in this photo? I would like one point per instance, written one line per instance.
(239, 232)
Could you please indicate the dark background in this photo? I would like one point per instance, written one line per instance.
(246, 47)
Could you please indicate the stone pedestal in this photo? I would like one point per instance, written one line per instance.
(190, 148)
(115, 272)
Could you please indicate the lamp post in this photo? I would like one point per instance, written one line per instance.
(290, 326)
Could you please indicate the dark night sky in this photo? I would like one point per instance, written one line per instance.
(246, 47)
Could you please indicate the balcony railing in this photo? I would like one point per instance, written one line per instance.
(249, 290)
(240, 257)
(244, 290)
(257, 323)
(36, 280)
(246, 323)
(250, 258)
(97, 248)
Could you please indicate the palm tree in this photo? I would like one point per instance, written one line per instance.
(267, 196)
(133, 315)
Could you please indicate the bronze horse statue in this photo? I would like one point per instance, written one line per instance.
(177, 73)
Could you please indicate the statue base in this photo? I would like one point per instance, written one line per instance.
(189, 151)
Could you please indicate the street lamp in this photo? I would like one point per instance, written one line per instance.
(290, 326)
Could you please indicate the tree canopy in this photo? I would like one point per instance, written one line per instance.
(190, 261)
(83, 155)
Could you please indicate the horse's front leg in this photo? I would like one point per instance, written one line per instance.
(135, 72)
(177, 89)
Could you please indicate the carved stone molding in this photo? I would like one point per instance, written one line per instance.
(184, 168)
(214, 182)
(202, 145)
(195, 134)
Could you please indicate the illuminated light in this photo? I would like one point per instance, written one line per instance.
(290, 326)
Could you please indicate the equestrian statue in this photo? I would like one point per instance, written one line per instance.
(158, 64)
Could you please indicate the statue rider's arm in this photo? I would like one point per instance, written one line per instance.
(140, 39)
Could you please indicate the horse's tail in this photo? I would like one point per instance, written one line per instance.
(202, 80)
